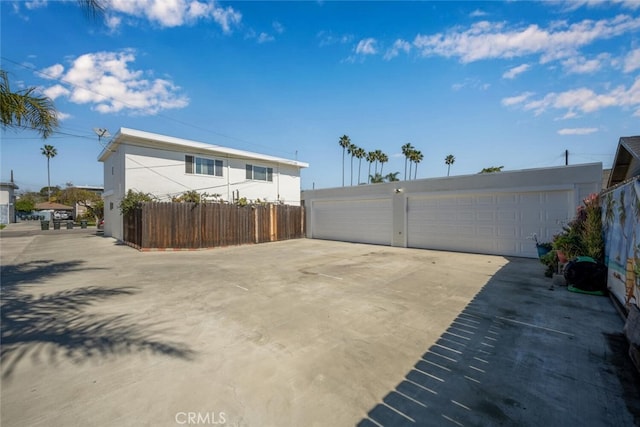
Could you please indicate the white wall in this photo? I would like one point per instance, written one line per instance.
(576, 181)
(161, 172)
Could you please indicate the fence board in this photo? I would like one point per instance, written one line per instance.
(192, 226)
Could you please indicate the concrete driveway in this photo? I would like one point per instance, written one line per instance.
(300, 333)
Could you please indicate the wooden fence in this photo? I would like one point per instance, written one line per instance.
(157, 225)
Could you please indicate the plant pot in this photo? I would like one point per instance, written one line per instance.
(562, 257)
(542, 250)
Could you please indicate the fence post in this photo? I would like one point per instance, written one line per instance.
(256, 225)
(272, 223)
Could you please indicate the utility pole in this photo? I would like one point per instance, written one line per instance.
(566, 157)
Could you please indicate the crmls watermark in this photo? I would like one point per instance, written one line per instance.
(200, 418)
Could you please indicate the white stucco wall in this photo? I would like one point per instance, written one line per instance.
(140, 166)
(577, 182)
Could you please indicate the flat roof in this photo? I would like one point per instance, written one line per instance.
(126, 134)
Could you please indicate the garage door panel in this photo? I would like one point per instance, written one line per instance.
(363, 221)
(497, 223)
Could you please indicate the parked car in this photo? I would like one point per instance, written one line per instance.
(101, 224)
(61, 215)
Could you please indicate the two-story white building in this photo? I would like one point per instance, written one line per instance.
(166, 167)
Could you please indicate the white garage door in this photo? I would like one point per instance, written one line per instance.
(362, 221)
(494, 223)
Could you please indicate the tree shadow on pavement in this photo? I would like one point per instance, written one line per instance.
(58, 324)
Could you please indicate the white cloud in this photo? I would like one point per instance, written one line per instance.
(471, 83)
(173, 13)
(581, 65)
(518, 99)
(576, 4)
(487, 40)
(577, 131)
(398, 46)
(278, 27)
(52, 72)
(583, 100)
(513, 72)
(63, 116)
(105, 81)
(56, 91)
(264, 37)
(477, 14)
(632, 61)
(35, 4)
(327, 38)
(366, 47)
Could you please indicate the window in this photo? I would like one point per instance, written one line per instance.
(202, 166)
(259, 173)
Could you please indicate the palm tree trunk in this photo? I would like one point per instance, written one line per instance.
(448, 169)
(405, 168)
(359, 166)
(343, 166)
(369, 174)
(351, 170)
(410, 163)
(416, 172)
(48, 180)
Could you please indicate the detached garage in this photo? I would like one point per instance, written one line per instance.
(486, 213)
(360, 220)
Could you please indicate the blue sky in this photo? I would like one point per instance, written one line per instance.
(510, 84)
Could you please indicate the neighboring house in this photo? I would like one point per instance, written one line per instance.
(626, 163)
(167, 167)
(7, 202)
(79, 209)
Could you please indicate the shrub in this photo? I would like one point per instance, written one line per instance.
(133, 199)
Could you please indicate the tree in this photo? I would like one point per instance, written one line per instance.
(351, 150)
(383, 159)
(376, 178)
(416, 157)
(371, 157)
(49, 151)
(406, 150)
(392, 176)
(345, 143)
(360, 154)
(26, 109)
(25, 205)
(93, 8)
(492, 169)
(449, 161)
(90, 200)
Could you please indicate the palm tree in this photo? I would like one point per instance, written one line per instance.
(345, 143)
(449, 161)
(378, 155)
(406, 150)
(93, 8)
(392, 176)
(371, 157)
(416, 158)
(351, 149)
(383, 159)
(48, 151)
(26, 109)
(360, 153)
(376, 179)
